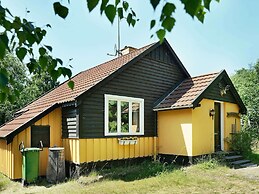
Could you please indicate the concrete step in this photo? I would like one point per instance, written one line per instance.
(230, 153)
(248, 165)
(240, 162)
(235, 157)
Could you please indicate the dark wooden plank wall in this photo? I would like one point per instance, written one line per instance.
(70, 122)
(149, 78)
(213, 92)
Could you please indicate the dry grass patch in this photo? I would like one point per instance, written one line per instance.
(152, 177)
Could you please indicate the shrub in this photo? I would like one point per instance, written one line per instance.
(243, 141)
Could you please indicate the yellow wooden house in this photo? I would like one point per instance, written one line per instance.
(137, 105)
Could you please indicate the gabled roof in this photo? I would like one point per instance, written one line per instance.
(192, 90)
(84, 81)
(185, 94)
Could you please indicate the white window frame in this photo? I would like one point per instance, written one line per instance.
(222, 124)
(119, 99)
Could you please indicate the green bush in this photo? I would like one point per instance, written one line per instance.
(243, 141)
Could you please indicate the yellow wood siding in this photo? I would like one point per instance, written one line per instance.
(105, 149)
(4, 158)
(175, 132)
(11, 155)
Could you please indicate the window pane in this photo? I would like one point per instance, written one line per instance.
(135, 117)
(124, 117)
(112, 116)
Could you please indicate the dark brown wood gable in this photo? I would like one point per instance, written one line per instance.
(146, 78)
(221, 89)
(165, 53)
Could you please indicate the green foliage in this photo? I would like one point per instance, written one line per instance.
(253, 156)
(60, 10)
(133, 172)
(211, 161)
(208, 163)
(241, 142)
(23, 38)
(110, 12)
(195, 8)
(246, 82)
(24, 88)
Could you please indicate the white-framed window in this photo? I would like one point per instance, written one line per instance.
(123, 115)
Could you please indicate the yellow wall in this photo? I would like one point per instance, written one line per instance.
(230, 107)
(5, 158)
(175, 132)
(105, 149)
(12, 157)
(203, 129)
(190, 132)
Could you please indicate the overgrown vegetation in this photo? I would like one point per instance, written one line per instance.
(241, 142)
(247, 140)
(207, 176)
(4, 182)
(132, 172)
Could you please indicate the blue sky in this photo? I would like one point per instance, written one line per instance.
(228, 39)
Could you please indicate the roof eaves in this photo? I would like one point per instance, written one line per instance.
(173, 108)
(9, 137)
(21, 110)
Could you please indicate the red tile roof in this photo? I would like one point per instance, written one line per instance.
(185, 94)
(83, 82)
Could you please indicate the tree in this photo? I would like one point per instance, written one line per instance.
(24, 88)
(16, 74)
(246, 82)
(23, 38)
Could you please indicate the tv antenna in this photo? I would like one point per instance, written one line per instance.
(117, 50)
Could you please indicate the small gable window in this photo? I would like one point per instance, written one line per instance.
(40, 133)
(124, 115)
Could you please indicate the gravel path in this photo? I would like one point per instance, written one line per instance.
(249, 172)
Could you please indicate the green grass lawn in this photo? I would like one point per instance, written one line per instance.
(148, 177)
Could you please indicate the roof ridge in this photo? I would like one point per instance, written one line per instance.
(94, 67)
(119, 57)
(206, 74)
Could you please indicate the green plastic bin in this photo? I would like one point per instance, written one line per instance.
(30, 164)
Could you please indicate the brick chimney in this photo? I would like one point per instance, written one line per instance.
(127, 50)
